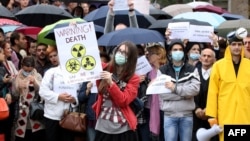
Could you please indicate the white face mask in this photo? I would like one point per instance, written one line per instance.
(120, 59)
(26, 73)
(177, 55)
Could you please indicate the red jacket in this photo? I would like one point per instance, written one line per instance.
(122, 99)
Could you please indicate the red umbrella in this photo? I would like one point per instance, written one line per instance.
(30, 31)
(4, 21)
(210, 8)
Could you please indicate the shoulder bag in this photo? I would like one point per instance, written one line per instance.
(74, 121)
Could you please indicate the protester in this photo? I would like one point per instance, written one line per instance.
(246, 41)
(179, 104)
(117, 89)
(152, 128)
(18, 41)
(228, 93)
(193, 52)
(58, 97)
(27, 85)
(52, 54)
(207, 59)
(6, 124)
(42, 61)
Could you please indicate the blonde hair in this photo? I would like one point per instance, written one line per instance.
(160, 51)
(51, 49)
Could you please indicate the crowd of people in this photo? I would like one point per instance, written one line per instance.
(208, 81)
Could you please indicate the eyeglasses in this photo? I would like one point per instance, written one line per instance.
(234, 44)
(123, 52)
(247, 42)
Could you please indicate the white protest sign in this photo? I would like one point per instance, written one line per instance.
(94, 87)
(78, 52)
(142, 66)
(179, 30)
(62, 87)
(120, 5)
(200, 33)
(142, 6)
(158, 85)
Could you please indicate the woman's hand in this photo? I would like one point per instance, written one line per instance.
(131, 5)
(89, 86)
(111, 6)
(170, 85)
(8, 98)
(7, 78)
(107, 76)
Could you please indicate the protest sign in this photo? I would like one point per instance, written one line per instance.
(158, 85)
(200, 33)
(179, 30)
(142, 66)
(78, 52)
(120, 5)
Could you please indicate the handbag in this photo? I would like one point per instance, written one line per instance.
(36, 109)
(74, 121)
(4, 109)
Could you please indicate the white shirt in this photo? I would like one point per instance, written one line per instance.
(206, 73)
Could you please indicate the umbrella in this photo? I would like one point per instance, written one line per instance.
(161, 25)
(4, 21)
(158, 13)
(41, 35)
(31, 31)
(41, 15)
(231, 25)
(9, 28)
(212, 18)
(5, 13)
(99, 15)
(210, 8)
(8, 24)
(198, 3)
(50, 35)
(230, 16)
(176, 9)
(135, 35)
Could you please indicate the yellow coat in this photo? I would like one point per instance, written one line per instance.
(229, 96)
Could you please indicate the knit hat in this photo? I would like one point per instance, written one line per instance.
(175, 41)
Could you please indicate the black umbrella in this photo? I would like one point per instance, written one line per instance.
(41, 15)
(158, 13)
(99, 15)
(161, 25)
(135, 35)
(5, 13)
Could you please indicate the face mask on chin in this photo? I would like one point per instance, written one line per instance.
(26, 73)
(194, 56)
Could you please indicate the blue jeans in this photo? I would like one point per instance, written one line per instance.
(91, 133)
(174, 126)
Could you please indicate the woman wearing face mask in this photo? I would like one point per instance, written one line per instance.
(117, 89)
(27, 85)
(178, 105)
(193, 51)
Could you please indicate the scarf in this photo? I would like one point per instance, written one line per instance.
(154, 121)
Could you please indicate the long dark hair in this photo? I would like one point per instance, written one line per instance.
(128, 69)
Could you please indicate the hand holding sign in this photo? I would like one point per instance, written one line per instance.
(158, 85)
